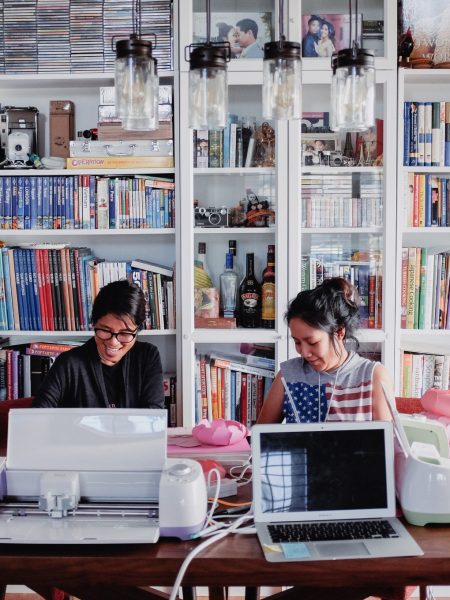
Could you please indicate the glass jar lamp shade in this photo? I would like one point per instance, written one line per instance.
(208, 91)
(282, 80)
(353, 91)
(136, 84)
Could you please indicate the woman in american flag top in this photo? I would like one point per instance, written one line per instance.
(328, 381)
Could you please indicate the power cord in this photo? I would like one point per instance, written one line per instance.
(218, 535)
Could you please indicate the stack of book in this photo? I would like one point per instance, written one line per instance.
(87, 202)
(23, 367)
(425, 289)
(427, 200)
(426, 134)
(51, 287)
(232, 386)
(421, 371)
(364, 271)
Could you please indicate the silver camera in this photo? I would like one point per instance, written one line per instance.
(19, 146)
(211, 217)
(336, 159)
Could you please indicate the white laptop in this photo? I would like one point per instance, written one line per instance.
(117, 456)
(326, 491)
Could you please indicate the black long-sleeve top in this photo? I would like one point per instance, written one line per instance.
(76, 379)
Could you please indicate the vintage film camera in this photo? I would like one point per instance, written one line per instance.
(18, 134)
(211, 217)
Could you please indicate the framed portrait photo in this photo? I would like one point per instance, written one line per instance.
(315, 142)
(246, 32)
(324, 34)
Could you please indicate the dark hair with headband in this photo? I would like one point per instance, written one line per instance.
(332, 306)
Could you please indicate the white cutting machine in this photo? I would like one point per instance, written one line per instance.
(96, 476)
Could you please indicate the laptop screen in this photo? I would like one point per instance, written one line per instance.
(323, 471)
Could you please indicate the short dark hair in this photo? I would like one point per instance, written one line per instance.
(121, 299)
(314, 18)
(331, 306)
(248, 25)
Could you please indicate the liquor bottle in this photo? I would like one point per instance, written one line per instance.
(250, 296)
(228, 288)
(202, 277)
(268, 291)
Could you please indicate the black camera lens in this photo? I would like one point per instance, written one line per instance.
(214, 218)
(18, 147)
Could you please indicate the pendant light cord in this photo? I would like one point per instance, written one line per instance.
(137, 18)
(281, 21)
(208, 21)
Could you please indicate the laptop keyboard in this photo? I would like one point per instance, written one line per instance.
(331, 531)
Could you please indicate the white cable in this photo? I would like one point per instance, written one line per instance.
(187, 561)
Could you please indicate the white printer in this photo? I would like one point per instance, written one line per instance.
(96, 476)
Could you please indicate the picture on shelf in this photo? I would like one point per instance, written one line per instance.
(246, 33)
(324, 34)
(321, 149)
(316, 142)
(369, 144)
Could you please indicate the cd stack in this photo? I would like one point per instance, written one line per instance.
(53, 40)
(20, 36)
(86, 36)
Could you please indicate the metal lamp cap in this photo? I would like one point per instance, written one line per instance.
(202, 57)
(355, 57)
(134, 46)
(282, 49)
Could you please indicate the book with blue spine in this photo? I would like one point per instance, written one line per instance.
(68, 203)
(428, 118)
(2, 202)
(3, 309)
(39, 214)
(21, 294)
(51, 201)
(8, 288)
(35, 290)
(17, 203)
(413, 138)
(75, 202)
(7, 202)
(27, 201)
(112, 203)
(406, 133)
(420, 134)
(46, 202)
(444, 200)
(33, 202)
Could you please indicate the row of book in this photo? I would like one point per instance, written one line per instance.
(426, 134)
(335, 211)
(231, 387)
(77, 35)
(53, 288)
(428, 200)
(366, 276)
(86, 202)
(425, 289)
(23, 367)
(420, 372)
(234, 146)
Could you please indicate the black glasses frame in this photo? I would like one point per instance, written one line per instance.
(116, 335)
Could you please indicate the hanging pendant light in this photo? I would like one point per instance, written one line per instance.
(282, 77)
(208, 81)
(136, 79)
(353, 85)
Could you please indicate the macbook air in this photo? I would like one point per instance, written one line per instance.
(326, 491)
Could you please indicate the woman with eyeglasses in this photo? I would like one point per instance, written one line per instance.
(112, 369)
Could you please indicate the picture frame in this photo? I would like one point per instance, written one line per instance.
(224, 28)
(316, 45)
(330, 141)
(319, 148)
